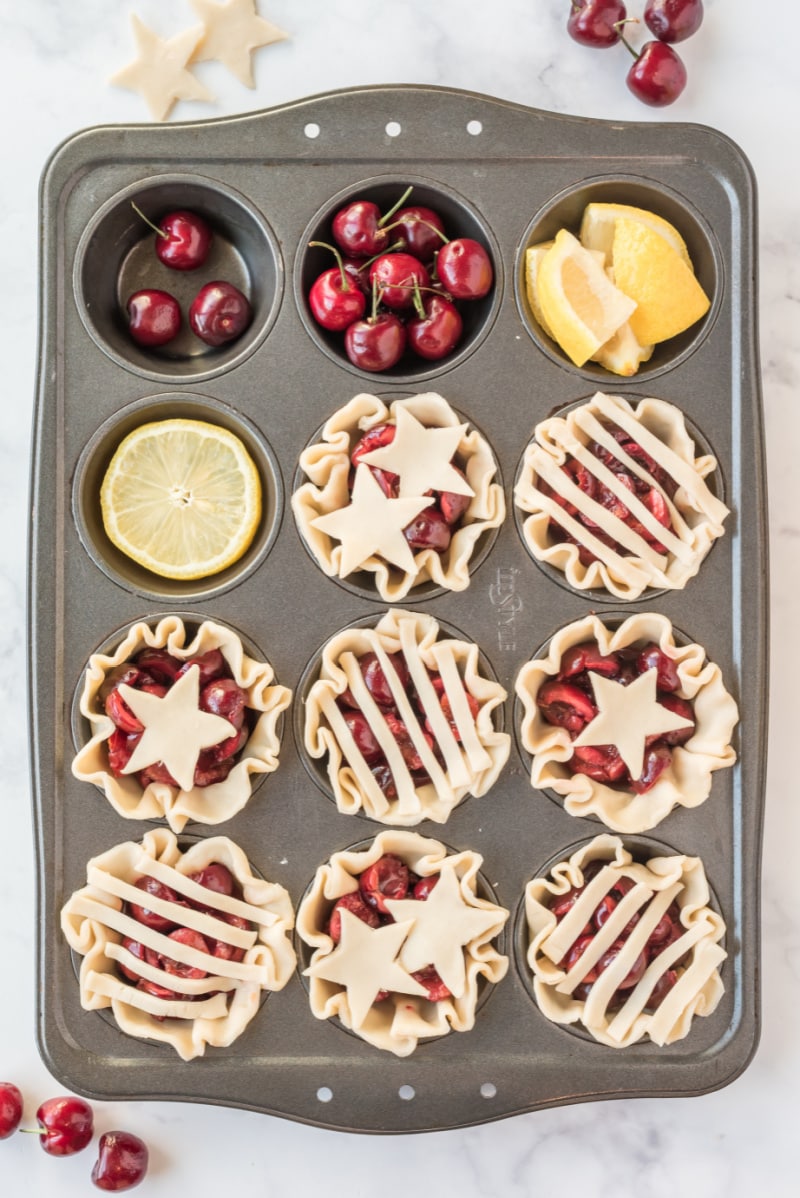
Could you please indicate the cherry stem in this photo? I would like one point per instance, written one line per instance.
(148, 221)
(34, 1131)
(388, 215)
(324, 245)
(375, 300)
(618, 26)
(418, 305)
(390, 249)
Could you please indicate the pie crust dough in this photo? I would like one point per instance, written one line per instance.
(94, 924)
(697, 515)
(400, 1021)
(160, 70)
(207, 805)
(699, 987)
(471, 766)
(687, 781)
(327, 465)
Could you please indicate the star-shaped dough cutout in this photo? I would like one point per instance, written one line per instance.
(626, 715)
(443, 924)
(372, 523)
(159, 73)
(422, 457)
(175, 729)
(232, 32)
(365, 962)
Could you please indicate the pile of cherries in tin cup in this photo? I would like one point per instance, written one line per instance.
(66, 1126)
(658, 74)
(387, 878)
(154, 671)
(567, 701)
(218, 314)
(397, 284)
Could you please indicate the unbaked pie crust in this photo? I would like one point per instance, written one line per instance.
(94, 923)
(697, 515)
(207, 805)
(327, 466)
(659, 882)
(686, 782)
(471, 764)
(400, 1021)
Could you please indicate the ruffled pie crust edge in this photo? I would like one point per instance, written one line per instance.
(327, 465)
(401, 1021)
(700, 995)
(271, 959)
(320, 740)
(207, 805)
(686, 783)
(701, 512)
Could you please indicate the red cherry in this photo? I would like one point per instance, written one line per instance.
(420, 229)
(376, 438)
(355, 904)
(587, 656)
(10, 1108)
(162, 666)
(574, 954)
(183, 238)
(142, 914)
(137, 950)
(424, 886)
(565, 706)
(396, 276)
(375, 678)
(363, 735)
(593, 22)
(215, 877)
(658, 75)
(225, 698)
(635, 972)
(67, 1124)
(385, 878)
(673, 20)
(436, 332)
(465, 269)
(357, 229)
(121, 1163)
(656, 760)
(335, 300)
(154, 317)
(219, 313)
(601, 762)
(429, 530)
(191, 939)
(377, 343)
(120, 748)
(681, 707)
(652, 657)
(211, 665)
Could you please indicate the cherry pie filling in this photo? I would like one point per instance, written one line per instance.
(155, 671)
(567, 701)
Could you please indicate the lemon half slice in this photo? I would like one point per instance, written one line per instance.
(668, 297)
(182, 498)
(599, 220)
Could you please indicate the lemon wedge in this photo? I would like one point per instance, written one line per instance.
(581, 305)
(182, 498)
(650, 270)
(623, 354)
(533, 259)
(599, 220)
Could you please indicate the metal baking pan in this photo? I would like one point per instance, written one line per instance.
(512, 174)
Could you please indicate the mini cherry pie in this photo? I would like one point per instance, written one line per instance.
(616, 497)
(179, 729)
(180, 945)
(625, 723)
(626, 949)
(401, 938)
(405, 719)
(402, 492)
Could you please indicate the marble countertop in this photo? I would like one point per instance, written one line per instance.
(55, 60)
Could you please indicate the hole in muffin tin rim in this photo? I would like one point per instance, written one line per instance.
(592, 371)
(165, 406)
(425, 590)
(79, 724)
(484, 890)
(715, 480)
(612, 620)
(642, 848)
(228, 357)
(315, 767)
(429, 370)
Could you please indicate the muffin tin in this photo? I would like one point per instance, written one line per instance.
(270, 181)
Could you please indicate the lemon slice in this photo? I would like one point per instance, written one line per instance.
(533, 259)
(599, 220)
(647, 268)
(623, 354)
(579, 302)
(182, 498)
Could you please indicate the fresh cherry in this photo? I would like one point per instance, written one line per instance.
(396, 276)
(121, 1163)
(335, 298)
(141, 913)
(183, 239)
(594, 22)
(10, 1109)
(362, 734)
(376, 343)
(464, 268)
(355, 904)
(658, 75)
(385, 878)
(359, 228)
(216, 877)
(437, 331)
(219, 313)
(429, 530)
(154, 317)
(66, 1124)
(420, 229)
(673, 20)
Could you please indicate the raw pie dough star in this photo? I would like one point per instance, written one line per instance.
(626, 715)
(175, 729)
(372, 523)
(421, 457)
(443, 924)
(232, 32)
(364, 962)
(159, 73)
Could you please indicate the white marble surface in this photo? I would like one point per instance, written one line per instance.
(54, 62)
